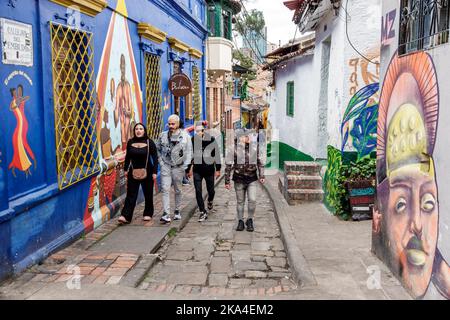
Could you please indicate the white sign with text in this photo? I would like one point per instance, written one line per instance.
(17, 43)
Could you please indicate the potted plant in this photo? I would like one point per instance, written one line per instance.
(361, 186)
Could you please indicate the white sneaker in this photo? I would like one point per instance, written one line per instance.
(177, 215)
(165, 219)
(203, 217)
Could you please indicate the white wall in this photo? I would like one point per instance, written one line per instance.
(294, 130)
(302, 131)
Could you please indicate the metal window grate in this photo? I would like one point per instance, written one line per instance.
(153, 95)
(196, 94)
(74, 104)
(424, 24)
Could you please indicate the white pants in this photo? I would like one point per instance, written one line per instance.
(171, 176)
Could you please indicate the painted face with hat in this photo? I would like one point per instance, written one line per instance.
(408, 196)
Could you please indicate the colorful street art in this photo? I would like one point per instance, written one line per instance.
(406, 219)
(363, 72)
(120, 107)
(359, 125)
(22, 151)
(388, 28)
(330, 180)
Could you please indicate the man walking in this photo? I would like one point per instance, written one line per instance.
(245, 160)
(175, 153)
(206, 166)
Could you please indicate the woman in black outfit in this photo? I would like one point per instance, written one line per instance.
(141, 153)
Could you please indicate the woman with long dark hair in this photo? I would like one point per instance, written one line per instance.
(141, 165)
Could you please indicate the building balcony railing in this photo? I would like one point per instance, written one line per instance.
(219, 53)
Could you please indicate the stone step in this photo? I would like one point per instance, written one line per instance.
(303, 182)
(302, 168)
(297, 196)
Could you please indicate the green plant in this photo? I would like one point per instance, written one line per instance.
(342, 173)
(172, 232)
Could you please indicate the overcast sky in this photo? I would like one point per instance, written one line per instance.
(278, 19)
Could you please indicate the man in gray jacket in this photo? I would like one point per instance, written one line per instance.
(175, 154)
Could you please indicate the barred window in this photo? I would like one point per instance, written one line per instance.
(153, 94)
(424, 24)
(74, 104)
(196, 94)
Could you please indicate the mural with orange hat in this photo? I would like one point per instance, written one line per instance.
(406, 218)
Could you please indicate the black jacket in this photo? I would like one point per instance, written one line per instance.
(205, 155)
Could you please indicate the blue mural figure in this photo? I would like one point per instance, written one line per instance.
(360, 121)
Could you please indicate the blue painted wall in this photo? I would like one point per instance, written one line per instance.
(33, 220)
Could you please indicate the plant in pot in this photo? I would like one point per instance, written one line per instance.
(360, 185)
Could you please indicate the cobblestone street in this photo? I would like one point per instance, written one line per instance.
(211, 258)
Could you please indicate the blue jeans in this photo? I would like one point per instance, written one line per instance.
(243, 191)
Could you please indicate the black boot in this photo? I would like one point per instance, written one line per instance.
(249, 224)
(240, 226)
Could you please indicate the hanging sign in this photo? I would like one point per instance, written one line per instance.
(180, 85)
(17, 43)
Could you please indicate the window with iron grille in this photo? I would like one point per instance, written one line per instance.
(290, 99)
(153, 95)
(177, 100)
(216, 104)
(424, 24)
(196, 94)
(74, 104)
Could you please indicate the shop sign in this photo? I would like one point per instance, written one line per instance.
(17, 43)
(180, 85)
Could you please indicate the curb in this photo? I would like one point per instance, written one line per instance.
(301, 271)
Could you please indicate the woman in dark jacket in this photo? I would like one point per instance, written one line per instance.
(141, 153)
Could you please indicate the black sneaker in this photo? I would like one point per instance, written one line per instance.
(240, 226)
(210, 206)
(203, 216)
(165, 218)
(177, 215)
(249, 224)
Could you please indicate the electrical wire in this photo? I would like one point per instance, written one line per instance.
(259, 33)
(348, 37)
(251, 48)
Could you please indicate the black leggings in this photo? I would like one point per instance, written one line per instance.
(132, 195)
(198, 180)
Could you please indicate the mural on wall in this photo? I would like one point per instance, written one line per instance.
(330, 179)
(358, 127)
(363, 72)
(360, 121)
(388, 28)
(120, 107)
(22, 151)
(406, 220)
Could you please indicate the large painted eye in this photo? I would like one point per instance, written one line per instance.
(400, 205)
(428, 202)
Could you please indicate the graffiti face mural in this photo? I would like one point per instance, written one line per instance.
(22, 151)
(407, 212)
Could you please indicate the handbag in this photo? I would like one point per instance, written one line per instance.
(141, 174)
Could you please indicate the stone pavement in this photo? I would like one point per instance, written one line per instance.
(330, 258)
(211, 258)
(109, 255)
